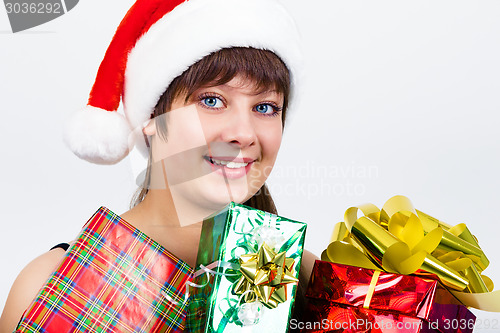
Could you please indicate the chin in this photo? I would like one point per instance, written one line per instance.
(214, 193)
(221, 199)
(235, 197)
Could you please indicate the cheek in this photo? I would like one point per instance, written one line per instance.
(210, 128)
(184, 133)
(271, 142)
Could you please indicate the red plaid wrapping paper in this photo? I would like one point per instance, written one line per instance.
(113, 279)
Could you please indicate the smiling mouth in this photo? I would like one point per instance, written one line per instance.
(226, 163)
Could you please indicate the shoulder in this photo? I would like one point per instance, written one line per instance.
(306, 267)
(26, 286)
(307, 264)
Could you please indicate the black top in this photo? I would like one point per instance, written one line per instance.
(63, 246)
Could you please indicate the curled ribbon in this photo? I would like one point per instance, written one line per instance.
(207, 270)
(265, 275)
(401, 239)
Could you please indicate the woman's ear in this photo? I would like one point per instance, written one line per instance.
(150, 128)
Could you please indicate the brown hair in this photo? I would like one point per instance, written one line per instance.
(264, 68)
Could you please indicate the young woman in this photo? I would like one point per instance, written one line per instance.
(208, 84)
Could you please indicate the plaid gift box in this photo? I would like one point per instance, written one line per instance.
(113, 279)
(342, 298)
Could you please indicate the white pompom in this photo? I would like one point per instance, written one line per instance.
(269, 235)
(98, 136)
(250, 313)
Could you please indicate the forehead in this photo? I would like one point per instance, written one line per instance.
(247, 84)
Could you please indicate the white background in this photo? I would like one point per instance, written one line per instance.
(400, 97)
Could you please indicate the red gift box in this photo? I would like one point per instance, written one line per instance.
(352, 299)
(113, 279)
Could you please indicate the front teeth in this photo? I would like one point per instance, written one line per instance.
(228, 164)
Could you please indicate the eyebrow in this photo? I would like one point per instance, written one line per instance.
(255, 92)
(272, 91)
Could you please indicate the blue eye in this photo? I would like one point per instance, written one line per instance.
(263, 108)
(212, 102)
(267, 109)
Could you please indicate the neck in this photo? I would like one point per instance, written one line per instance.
(167, 205)
(159, 218)
(159, 209)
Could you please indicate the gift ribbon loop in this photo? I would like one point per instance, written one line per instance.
(371, 289)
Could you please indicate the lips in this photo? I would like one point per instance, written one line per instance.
(229, 167)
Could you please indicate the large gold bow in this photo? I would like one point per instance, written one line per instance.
(404, 240)
(265, 275)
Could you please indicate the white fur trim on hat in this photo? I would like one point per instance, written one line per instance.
(97, 135)
(195, 29)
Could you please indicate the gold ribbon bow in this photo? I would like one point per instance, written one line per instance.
(265, 275)
(401, 239)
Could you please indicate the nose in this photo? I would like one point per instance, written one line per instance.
(239, 128)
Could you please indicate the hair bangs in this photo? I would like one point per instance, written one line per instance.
(263, 68)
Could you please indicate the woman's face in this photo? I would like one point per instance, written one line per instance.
(221, 145)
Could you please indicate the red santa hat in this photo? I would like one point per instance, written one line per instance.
(157, 41)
